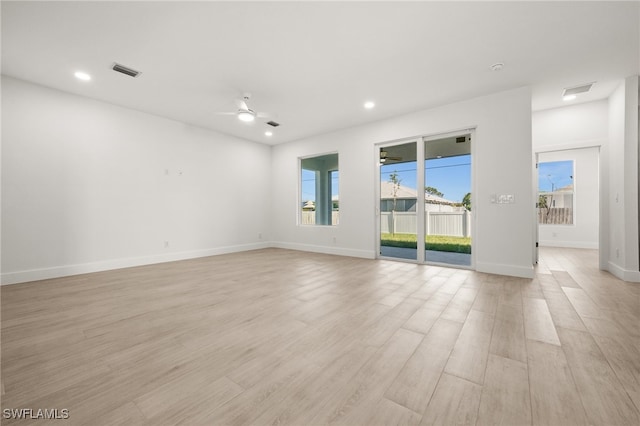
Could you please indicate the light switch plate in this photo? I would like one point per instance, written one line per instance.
(505, 199)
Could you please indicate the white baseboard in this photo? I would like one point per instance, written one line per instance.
(85, 268)
(624, 274)
(106, 265)
(510, 270)
(339, 251)
(570, 244)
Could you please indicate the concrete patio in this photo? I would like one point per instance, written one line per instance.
(450, 258)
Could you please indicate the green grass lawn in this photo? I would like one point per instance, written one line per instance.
(434, 242)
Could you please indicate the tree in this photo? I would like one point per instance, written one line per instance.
(466, 201)
(395, 181)
(542, 201)
(433, 191)
(545, 201)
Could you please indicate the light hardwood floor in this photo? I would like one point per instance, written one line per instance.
(283, 337)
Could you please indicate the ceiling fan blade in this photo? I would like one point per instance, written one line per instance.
(224, 113)
(242, 105)
(264, 115)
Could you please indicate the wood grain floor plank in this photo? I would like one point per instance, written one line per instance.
(564, 279)
(538, 324)
(624, 358)
(351, 404)
(470, 353)
(455, 402)
(554, 397)
(460, 305)
(532, 289)
(582, 303)
(417, 380)
(505, 396)
(507, 339)
(602, 394)
(422, 320)
(562, 311)
(387, 413)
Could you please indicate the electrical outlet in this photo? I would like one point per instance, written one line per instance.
(334, 240)
(617, 253)
(166, 244)
(259, 235)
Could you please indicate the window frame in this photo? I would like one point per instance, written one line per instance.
(299, 204)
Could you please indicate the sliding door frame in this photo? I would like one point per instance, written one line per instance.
(421, 142)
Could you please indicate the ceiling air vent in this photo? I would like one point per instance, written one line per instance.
(273, 123)
(577, 89)
(125, 70)
(461, 139)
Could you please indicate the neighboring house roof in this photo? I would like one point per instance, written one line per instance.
(434, 199)
(386, 193)
(567, 188)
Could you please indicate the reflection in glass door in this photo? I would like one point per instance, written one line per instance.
(448, 201)
(398, 201)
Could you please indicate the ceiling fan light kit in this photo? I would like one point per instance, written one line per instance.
(246, 115)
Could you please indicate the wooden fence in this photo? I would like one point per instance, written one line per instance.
(555, 216)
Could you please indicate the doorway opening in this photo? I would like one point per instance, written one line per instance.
(568, 198)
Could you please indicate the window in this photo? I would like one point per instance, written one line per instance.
(555, 193)
(319, 201)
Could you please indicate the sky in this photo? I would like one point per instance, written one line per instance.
(451, 176)
(556, 173)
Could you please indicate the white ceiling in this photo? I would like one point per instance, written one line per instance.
(315, 63)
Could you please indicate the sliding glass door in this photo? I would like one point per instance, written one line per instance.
(425, 211)
(447, 184)
(398, 201)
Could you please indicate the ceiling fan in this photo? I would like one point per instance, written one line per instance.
(384, 156)
(244, 113)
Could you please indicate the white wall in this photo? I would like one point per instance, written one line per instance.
(575, 132)
(501, 165)
(89, 186)
(572, 126)
(583, 233)
(622, 201)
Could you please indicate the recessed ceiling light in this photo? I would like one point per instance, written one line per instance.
(80, 75)
(369, 105)
(268, 133)
(568, 97)
(497, 66)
